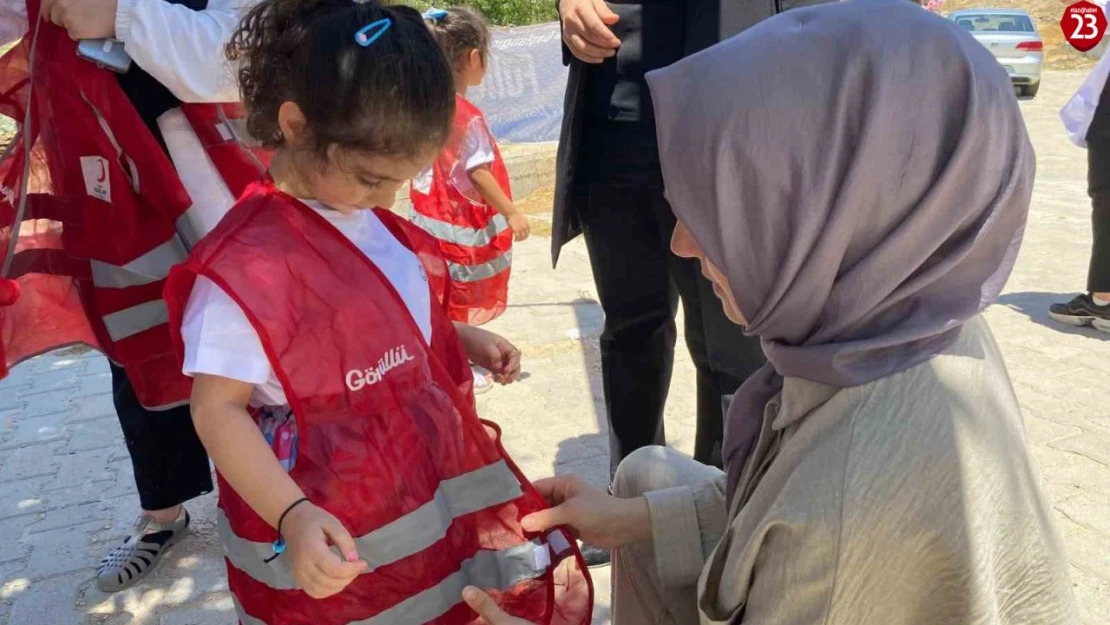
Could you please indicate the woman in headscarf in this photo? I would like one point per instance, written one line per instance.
(855, 179)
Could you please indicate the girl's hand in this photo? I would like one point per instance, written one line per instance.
(481, 603)
(490, 351)
(518, 222)
(308, 532)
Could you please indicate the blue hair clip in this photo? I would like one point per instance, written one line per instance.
(435, 15)
(372, 32)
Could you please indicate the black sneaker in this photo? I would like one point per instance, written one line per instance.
(1081, 312)
(593, 556)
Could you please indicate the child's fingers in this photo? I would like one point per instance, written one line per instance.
(331, 567)
(341, 538)
(510, 368)
(320, 586)
(350, 566)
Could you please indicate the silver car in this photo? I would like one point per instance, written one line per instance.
(1011, 35)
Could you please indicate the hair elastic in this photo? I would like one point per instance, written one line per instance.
(372, 32)
(435, 15)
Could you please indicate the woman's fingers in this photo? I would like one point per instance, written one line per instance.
(587, 51)
(546, 519)
(594, 28)
(481, 603)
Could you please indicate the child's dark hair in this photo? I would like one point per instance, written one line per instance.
(395, 95)
(458, 31)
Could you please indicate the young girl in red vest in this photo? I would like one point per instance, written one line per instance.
(331, 389)
(463, 199)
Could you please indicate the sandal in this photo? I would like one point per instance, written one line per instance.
(140, 553)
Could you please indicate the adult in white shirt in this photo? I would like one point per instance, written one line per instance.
(1087, 120)
(178, 51)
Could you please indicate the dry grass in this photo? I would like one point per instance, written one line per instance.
(1047, 14)
(538, 206)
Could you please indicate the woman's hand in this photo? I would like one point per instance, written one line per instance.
(600, 519)
(586, 29)
(490, 351)
(481, 603)
(308, 531)
(83, 19)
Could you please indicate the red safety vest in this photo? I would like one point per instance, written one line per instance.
(389, 440)
(98, 214)
(474, 238)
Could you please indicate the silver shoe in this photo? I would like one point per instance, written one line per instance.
(140, 553)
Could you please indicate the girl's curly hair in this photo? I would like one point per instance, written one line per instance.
(394, 96)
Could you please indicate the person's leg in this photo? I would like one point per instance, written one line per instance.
(637, 344)
(1098, 274)
(723, 355)
(171, 467)
(1093, 307)
(638, 596)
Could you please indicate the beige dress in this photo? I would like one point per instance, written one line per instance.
(909, 500)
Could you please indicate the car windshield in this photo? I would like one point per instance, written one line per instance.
(996, 23)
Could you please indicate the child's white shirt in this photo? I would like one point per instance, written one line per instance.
(475, 151)
(219, 340)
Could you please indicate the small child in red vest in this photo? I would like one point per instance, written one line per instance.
(330, 387)
(463, 199)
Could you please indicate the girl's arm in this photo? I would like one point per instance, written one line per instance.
(238, 447)
(240, 452)
(483, 180)
(491, 351)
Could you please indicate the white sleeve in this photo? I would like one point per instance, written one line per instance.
(13, 20)
(181, 48)
(477, 146)
(218, 338)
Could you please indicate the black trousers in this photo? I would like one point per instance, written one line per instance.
(171, 466)
(627, 224)
(1098, 186)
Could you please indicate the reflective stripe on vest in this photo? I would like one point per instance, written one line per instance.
(151, 267)
(414, 532)
(500, 570)
(483, 271)
(461, 235)
(131, 321)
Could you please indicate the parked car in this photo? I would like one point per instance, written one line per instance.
(1011, 35)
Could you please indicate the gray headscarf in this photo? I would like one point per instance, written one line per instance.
(861, 173)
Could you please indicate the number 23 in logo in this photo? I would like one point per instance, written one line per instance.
(1084, 24)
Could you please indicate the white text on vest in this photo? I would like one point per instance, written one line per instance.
(358, 379)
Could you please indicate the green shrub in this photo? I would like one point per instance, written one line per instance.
(501, 12)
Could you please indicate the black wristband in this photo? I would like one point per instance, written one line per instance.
(281, 519)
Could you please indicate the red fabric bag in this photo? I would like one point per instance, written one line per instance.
(90, 212)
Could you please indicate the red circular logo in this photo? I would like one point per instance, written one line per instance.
(1083, 24)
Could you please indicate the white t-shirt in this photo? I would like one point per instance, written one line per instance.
(476, 150)
(219, 340)
(1079, 111)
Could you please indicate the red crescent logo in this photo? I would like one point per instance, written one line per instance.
(103, 172)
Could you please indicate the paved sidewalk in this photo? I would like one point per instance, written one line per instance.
(67, 493)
